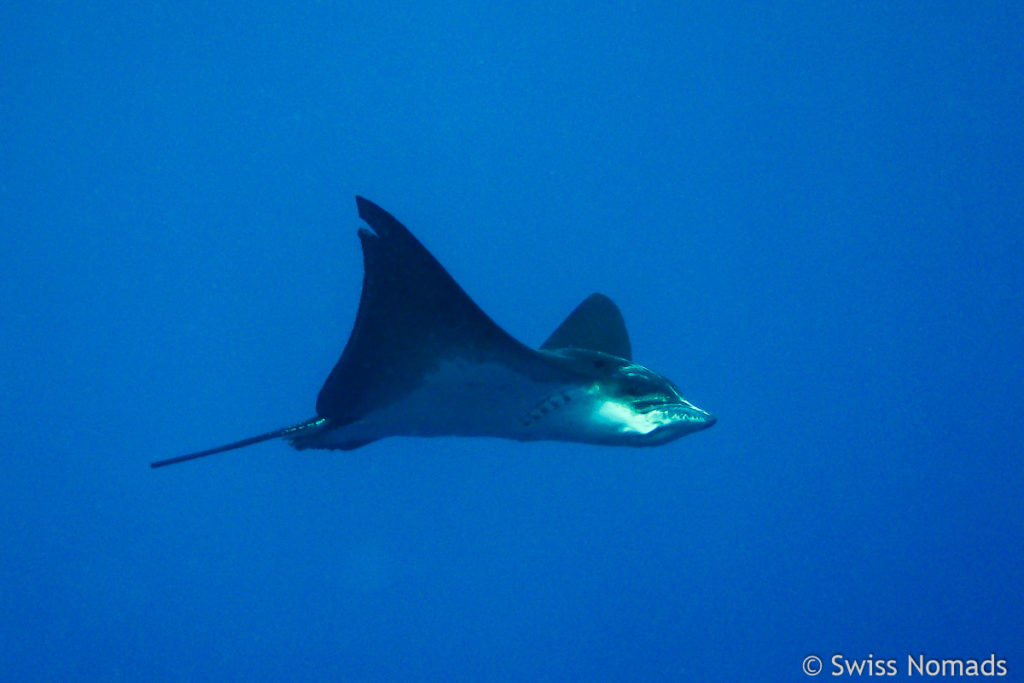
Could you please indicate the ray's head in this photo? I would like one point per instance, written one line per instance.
(632, 405)
(646, 409)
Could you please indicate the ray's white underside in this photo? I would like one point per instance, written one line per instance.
(474, 399)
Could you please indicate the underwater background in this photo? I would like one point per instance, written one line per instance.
(810, 215)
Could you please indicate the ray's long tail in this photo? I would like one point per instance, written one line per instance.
(302, 428)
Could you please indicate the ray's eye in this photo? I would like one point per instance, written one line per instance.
(634, 389)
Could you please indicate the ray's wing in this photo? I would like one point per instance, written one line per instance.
(412, 316)
(595, 324)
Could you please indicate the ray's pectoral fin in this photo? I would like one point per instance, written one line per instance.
(597, 325)
(412, 317)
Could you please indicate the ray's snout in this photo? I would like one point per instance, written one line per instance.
(693, 417)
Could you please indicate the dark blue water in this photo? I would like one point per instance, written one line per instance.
(810, 217)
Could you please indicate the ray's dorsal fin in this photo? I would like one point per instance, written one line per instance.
(596, 324)
(412, 316)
